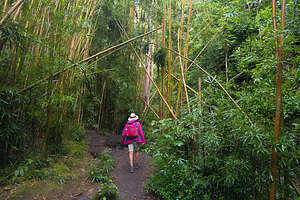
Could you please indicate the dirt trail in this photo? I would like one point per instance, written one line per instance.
(130, 185)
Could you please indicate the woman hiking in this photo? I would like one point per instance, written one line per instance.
(133, 136)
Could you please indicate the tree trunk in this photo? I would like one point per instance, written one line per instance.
(149, 65)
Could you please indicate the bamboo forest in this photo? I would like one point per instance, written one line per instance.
(150, 99)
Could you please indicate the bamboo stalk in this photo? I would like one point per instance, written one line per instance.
(4, 7)
(184, 84)
(164, 24)
(187, 34)
(101, 103)
(211, 39)
(84, 60)
(18, 11)
(151, 79)
(199, 32)
(170, 70)
(10, 12)
(279, 56)
(164, 100)
(274, 153)
(188, 87)
(151, 108)
(179, 50)
(219, 84)
(150, 101)
(180, 27)
(35, 32)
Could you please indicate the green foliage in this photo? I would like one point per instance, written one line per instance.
(109, 191)
(160, 58)
(75, 149)
(100, 173)
(29, 168)
(12, 32)
(11, 139)
(214, 153)
(77, 133)
(60, 172)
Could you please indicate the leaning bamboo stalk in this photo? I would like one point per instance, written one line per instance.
(154, 84)
(180, 62)
(72, 75)
(219, 84)
(151, 108)
(199, 32)
(188, 87)
(18, 11)
(183, 64)
(150, 101)
(184, 84)
(85, 60)
(211, 39)
(151, 79)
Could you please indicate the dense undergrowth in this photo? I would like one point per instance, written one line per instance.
(214, 153)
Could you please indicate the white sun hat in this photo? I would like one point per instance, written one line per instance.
(132, 117)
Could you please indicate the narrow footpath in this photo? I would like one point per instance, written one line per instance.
(130, 185)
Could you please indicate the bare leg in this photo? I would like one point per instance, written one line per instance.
(131, 159)
(136, 157)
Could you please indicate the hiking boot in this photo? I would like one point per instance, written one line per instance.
(131, 169)
(136, 166)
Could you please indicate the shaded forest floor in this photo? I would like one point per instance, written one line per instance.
(73, 185)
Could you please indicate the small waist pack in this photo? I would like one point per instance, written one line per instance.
(131, 131)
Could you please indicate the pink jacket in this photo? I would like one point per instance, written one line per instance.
(139, 139)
